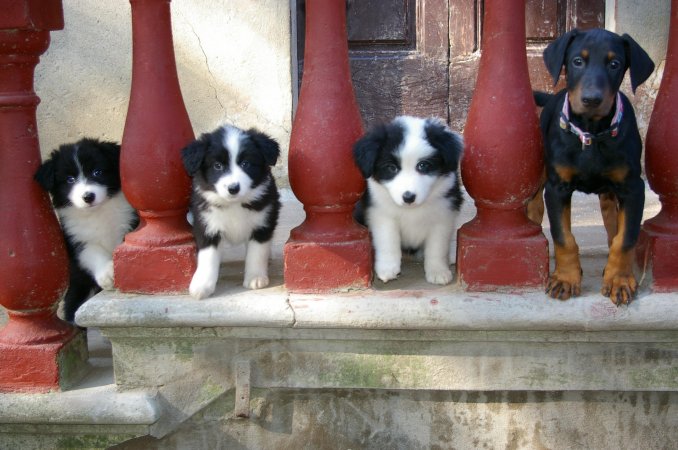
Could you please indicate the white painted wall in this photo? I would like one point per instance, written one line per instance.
(236, 62)
(233, 59)
(647, 21)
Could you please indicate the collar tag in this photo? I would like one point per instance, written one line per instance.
(588, 138)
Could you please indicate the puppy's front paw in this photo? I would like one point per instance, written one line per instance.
(104, 276)
(201, 287)
(440, 275)
(256, 282)
(387, 270)
(619, 287)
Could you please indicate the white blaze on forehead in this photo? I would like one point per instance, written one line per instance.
(83, 186)
(415, 146)
(231, 141)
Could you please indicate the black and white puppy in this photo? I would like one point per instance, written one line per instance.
(84, 182)
(413, 194)
(234, 200)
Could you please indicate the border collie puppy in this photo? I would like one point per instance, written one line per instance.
(234, 200)
(84, 182)
(413, 194)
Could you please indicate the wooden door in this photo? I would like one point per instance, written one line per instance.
(420, 57)
(544, 21)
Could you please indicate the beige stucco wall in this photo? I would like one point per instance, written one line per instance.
(233, 60)
(236, 63)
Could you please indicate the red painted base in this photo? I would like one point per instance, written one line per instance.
(657, 255)
(154, 270)
(317, 267)
(43, 367)
(488, 263)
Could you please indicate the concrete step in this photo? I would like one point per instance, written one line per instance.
(178, 361)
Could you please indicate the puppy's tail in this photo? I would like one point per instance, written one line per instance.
(542, 98)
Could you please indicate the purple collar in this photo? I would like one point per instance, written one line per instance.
(585, 137)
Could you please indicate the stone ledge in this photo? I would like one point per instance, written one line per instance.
(101, 405)
(431, 309)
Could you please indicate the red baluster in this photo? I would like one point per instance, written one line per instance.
(160, 255)
(36, 347)
(328, 251)
(658, 249)
(502, 163)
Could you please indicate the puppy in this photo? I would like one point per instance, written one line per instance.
(234, 200)
(592, 145)
(84, 182)
(413, 194)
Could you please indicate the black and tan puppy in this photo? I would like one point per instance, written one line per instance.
(592, 144)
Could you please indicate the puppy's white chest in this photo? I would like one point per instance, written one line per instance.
(104, 226)
(234, 223)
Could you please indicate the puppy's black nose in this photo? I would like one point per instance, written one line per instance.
(592, 101)
(234, 188)
(409, 197)
(88, 197)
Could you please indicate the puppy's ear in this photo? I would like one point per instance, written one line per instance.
(554, 55)
(112, 150)
(193, 154)
(449, 144)
(638, 62)
(366, 150)
(268, 146)
(45, 175)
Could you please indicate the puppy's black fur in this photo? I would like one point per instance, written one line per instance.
(589, 148)
(83, 180)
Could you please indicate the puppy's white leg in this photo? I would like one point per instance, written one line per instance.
(387, 251)
(437, 254)
(206, 275)
(256, 264)
(99, 262)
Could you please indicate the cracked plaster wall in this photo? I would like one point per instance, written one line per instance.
(234, 63)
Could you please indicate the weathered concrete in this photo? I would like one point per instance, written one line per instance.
(406, 365)
(84, 78)
(374, 419)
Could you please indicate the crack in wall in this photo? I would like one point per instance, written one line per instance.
(207, 64)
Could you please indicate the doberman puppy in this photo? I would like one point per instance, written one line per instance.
(592, 144)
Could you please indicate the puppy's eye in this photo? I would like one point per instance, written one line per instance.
(218, 166)
(391, 168)
(70, 180)
(578, 62)
(424, 167)
(614, 64)
(96, 172)
(245, 164)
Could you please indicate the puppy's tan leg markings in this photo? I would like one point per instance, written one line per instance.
(619, 283)
(565, 281)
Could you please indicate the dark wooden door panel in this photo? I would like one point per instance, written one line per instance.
(398, 52)
(544, 21)
(421, 57)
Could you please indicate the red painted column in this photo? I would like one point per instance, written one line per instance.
(159, 256)
(35, 346)
(658, 244)
(329, 250)
(502, 162)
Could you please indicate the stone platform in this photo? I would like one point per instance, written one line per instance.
(403, 365)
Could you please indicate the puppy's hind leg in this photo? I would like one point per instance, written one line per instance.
(206, 275)
(256, 264)
(609, 208)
